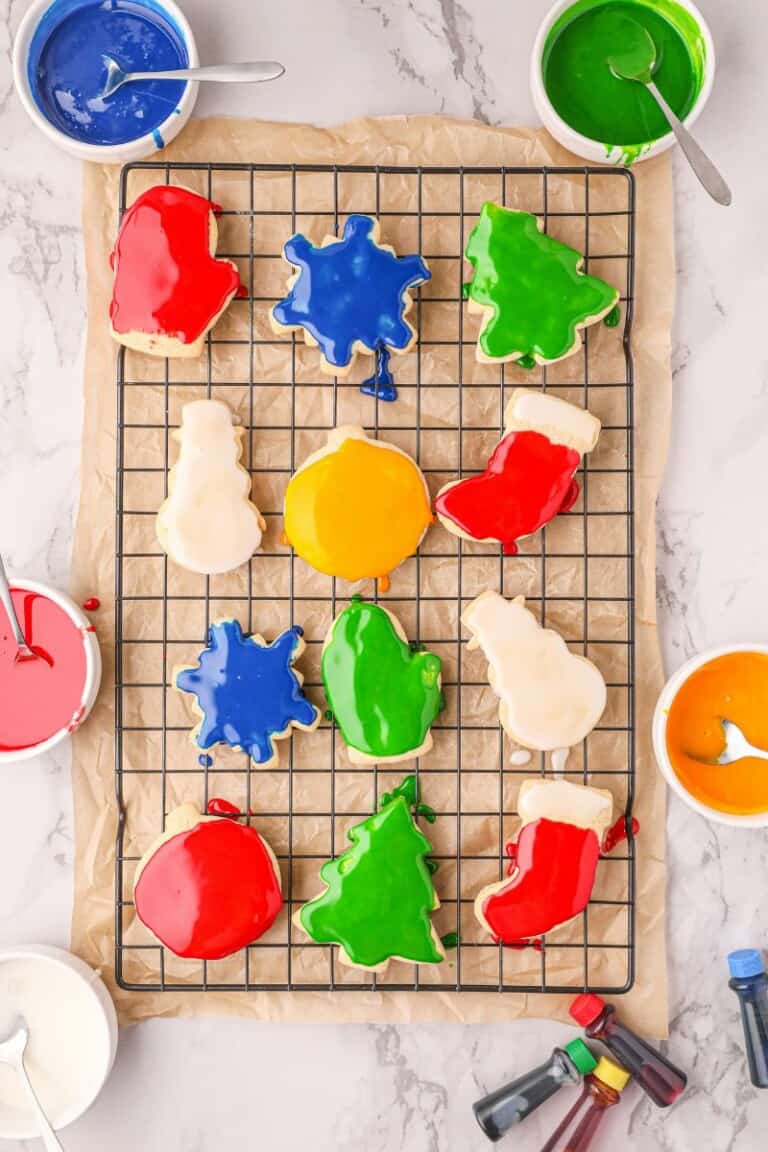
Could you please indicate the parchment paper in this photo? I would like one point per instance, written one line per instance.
(419, 140)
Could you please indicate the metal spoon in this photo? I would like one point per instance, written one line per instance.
(737, 747)
(247, 73)
(12, 1053)
(23, 650)
(638, 62)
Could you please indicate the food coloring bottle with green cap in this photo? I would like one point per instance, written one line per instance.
(750, 983)
(509, 1105)
(602, 1089)
(659, 1078)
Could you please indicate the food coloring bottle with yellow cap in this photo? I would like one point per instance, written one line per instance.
(659, 1078)
(497, 1112)
(750, 983)
(602, 1089)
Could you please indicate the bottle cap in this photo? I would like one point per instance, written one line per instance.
(585, 1009)
(581, 1056)
(611, 1074)
(745, 962)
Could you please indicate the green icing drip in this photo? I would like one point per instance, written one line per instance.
(587, 94)
(379, 893)
(526, 362)
(383, 695)
(450, 940)
(613, 317)
(532, 285)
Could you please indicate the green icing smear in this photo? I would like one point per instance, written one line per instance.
(383, 695)
(584, 90)
(613, 317)
(450, 940)
(379, 896)
(531, 285)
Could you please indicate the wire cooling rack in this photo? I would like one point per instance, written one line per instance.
(576, 574)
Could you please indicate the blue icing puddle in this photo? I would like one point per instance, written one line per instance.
(66, 72)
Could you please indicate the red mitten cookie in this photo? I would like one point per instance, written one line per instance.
(208, 886)
(169, 288)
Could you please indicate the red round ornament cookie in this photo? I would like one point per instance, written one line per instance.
(208, 886)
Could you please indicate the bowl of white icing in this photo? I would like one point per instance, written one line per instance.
(72, 1036)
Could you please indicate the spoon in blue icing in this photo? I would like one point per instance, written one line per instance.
(636, 61)
(253, 72)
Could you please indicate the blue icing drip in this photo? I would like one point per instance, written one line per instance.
(158, 138)
(382, 383)
(348, 291)
(246, 691)
(66, 72)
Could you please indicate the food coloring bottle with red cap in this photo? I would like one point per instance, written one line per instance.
(500, 1110)
(662, 1081)
(750, 983)
(602, 1089)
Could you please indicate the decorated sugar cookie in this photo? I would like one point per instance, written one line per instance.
(379, 897)
(351, 295)
(357, 508)
(207, 523)
(208, 886)
(248, 694)
(383, 695)
(169, 288)
(552, 865)
(530, 289)
(549, 697)
(529, 477)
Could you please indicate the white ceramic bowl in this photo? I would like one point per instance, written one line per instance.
(92, 668)
(131, 150)
(595, 150)
(100, 1027)
(671, 688)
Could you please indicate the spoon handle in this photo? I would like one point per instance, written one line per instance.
(253, 72)
(705, 170)
(47, 1134)
(10, 611)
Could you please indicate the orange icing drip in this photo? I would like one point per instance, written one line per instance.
(358, 511)
(736, 687)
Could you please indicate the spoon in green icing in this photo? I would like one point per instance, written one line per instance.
(636, 60)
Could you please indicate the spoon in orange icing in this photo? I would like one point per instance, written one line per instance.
(737, 747)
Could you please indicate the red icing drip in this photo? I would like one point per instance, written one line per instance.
(92, 604)
(527, 481)
(210, 891)
(551, 881)
(218, 807)
(39, 697)
(166, 281)
(618, 833)
(242, 292)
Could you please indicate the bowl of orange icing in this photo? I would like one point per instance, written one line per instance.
(723, 683)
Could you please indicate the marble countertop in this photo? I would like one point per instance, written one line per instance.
(377, 1088)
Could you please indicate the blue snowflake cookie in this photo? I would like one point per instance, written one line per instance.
(248, 693)
(350, 295)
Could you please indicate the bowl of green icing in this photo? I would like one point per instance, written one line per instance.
(593, 112)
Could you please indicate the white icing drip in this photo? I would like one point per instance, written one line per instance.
(559, 760)
(519, 757)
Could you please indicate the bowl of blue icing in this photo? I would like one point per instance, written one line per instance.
(60, 74)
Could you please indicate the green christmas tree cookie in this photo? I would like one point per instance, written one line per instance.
(379, 895)
(383, 694)
(530, 289)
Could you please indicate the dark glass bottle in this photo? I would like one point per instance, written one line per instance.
(602, 1089)
(750, 983)
(659, 1078)
(500, 1110)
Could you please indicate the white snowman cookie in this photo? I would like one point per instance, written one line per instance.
(549, 696)
(208, 524)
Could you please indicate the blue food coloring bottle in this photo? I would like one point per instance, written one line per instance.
(750, 983)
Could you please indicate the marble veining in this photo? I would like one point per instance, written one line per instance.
(384, 1088)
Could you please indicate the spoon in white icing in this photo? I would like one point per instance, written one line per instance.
(251, 72)
(12, 1053)
(636, 61)
(23, 650)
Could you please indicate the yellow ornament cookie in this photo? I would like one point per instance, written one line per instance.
(357, 508)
